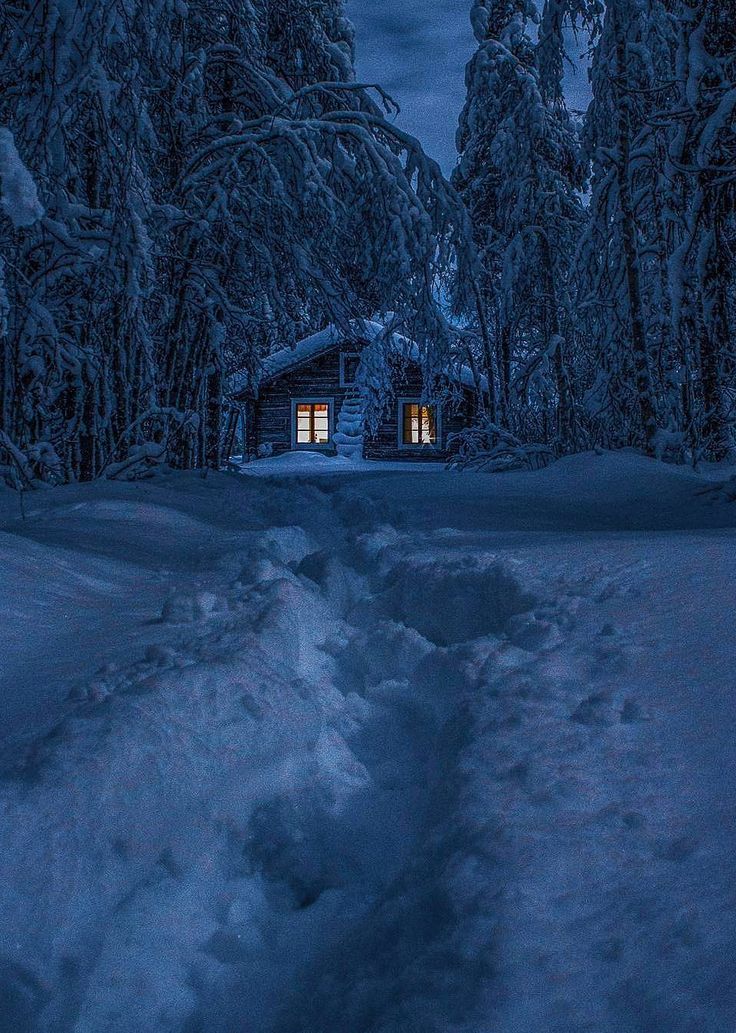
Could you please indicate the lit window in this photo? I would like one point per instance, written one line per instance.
(418, 424)
(312, 423)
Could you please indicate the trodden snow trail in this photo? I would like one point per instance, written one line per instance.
(552, 885)
(391, 769)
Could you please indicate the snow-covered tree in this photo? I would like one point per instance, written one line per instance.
(20, 205)
(518, 175)
(76, 326)
(657, 257)
(703, 167)
(624, 282)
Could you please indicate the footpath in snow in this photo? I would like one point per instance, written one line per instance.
(368, 749)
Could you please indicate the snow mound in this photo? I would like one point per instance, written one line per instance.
(188, 607)
(293, 463)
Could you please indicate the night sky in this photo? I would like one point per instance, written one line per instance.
(417, 50)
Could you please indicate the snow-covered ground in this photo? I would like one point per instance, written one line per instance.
(347, 748)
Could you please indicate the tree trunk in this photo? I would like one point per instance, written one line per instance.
(505, 343)
(213, 416)
(487, 354)
(565, 405)
(88, 434)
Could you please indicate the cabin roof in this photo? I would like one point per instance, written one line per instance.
(309, 348)
(360, 331)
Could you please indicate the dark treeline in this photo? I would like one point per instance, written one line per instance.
(607, 241)
(187, 186)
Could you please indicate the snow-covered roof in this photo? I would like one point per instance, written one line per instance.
(285, 359)
(310, 347)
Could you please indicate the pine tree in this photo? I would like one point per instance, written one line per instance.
(78, 277)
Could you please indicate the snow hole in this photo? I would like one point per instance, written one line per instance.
(450, 601)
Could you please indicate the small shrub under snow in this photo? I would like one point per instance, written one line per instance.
(490, 448)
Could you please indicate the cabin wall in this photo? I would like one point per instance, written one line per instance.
(269, 416)
(316, 379)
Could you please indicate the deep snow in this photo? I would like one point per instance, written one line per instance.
(347, 747)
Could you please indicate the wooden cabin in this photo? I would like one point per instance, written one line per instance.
(309, 399)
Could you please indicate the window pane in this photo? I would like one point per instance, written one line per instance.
(410, 424)
(312, 423)
(418, 424)
(429, 432)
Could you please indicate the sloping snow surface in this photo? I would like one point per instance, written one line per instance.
(384, 751)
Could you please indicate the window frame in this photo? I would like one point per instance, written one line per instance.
(343, 356)
(414, 400)
(312, 446)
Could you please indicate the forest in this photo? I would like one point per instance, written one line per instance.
(188, 186)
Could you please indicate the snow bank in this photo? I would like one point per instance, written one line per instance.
(314, 464)
(298, 463)
(153, 832)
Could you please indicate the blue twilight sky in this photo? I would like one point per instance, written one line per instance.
(417, 50)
